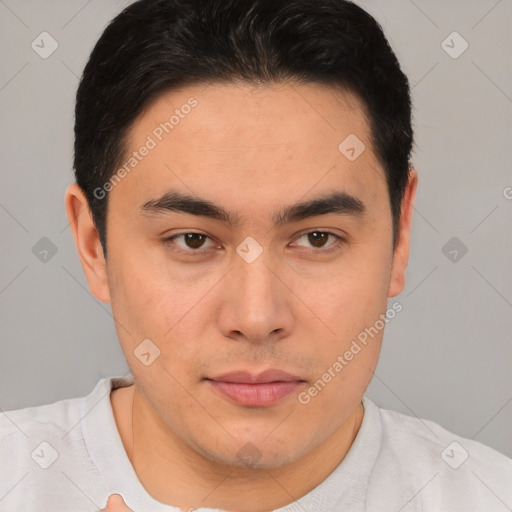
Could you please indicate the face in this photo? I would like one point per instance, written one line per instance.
(253, 251)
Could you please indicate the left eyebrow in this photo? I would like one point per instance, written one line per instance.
(338, 202)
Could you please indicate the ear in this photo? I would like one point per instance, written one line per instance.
(401, 252)
(87, 242)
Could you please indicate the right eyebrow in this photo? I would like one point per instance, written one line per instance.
(174, 201)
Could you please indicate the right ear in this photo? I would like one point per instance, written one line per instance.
(87, 242)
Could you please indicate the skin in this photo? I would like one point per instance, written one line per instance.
(251, 149)
(115, 503)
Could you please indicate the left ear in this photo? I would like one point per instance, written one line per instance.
(401, 252)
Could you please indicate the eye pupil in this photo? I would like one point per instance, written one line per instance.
(318, 238)
(194, 240)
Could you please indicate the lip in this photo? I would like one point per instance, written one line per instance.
(256, 390)
(266, 376)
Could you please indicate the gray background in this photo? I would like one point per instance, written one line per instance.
(447, 356)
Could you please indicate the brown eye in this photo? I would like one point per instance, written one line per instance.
(318, 238)
(190, 243)
(194, 240)
(320, 242)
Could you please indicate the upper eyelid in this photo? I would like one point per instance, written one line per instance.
(316, 230)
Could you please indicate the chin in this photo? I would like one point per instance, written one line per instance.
(254, 456)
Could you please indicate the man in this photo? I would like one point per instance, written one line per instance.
(243, 200)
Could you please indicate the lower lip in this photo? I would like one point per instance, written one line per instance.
(256, 395)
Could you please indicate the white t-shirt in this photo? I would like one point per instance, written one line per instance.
(68, 457)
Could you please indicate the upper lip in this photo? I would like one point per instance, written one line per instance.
(266, 376)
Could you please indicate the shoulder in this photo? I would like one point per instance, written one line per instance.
(57, 416)
(39, 435)
(20, 427)
(34, 432)
(437, 469)
(23, 426)
(34, 442)
(429, 440)
(45, 450)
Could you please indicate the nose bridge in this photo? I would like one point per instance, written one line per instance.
(257, 304)
(256, 284)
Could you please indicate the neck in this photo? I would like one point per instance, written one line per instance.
(159, 457)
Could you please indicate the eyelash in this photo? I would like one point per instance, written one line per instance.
(339, 240)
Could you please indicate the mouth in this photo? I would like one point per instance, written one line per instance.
(256, 390)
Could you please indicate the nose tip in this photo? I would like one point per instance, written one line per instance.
(255, 307)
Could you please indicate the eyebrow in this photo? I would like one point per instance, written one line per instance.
(337, 202)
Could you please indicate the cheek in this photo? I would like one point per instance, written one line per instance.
(152, 295)
(150, 302)
(350, 301)
(352, 293)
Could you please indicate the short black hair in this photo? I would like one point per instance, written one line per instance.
(155, 46)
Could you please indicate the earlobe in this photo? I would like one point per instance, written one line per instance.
(87, 242)
(401, 252)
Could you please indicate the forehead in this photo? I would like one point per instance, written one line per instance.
(238, 139)
(228, 113)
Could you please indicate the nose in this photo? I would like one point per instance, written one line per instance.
(256, 305)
